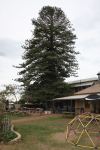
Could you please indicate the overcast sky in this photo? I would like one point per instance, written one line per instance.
(15, 28)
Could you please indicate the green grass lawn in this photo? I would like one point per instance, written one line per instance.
(43, 134)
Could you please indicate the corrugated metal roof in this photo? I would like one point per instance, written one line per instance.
(83, 80)
(83, 84)
(74, 97)
(90, 90)
(93, 97)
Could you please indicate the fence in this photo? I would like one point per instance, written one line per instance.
(5, 124)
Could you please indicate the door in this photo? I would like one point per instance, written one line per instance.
(87, 106)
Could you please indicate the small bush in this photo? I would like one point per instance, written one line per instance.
(7, 136)
(5, 129)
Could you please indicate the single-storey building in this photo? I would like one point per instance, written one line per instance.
(85, 100)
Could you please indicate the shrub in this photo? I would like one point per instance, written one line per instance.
(7, 136)
(5, 129)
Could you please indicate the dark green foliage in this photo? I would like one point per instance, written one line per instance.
(5, 129)
(49, 57)
(7, 136)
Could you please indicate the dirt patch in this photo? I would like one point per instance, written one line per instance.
(5, 147)
(60, 137)
(27, 120)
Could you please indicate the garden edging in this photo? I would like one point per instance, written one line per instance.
(18, 135)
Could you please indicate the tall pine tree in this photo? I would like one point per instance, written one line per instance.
(49, 56)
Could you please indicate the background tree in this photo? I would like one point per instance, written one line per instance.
(49, 56)
(4, 103)
(10, 93)
(11, 90)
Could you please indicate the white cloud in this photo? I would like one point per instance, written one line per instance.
(12, 52)
(15, 25)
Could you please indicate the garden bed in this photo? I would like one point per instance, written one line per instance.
(7, 132)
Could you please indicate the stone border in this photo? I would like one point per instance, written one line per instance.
(18, 138)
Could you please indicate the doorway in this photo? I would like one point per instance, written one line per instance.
(87, 106)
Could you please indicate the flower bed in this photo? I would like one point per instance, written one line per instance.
(7, 132)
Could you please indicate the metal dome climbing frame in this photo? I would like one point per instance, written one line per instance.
(84, 131)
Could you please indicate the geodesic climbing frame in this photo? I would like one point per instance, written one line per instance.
(84, 131)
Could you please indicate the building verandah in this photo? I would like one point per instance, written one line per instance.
(85, 100)
(82, 106)
(76, 106)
